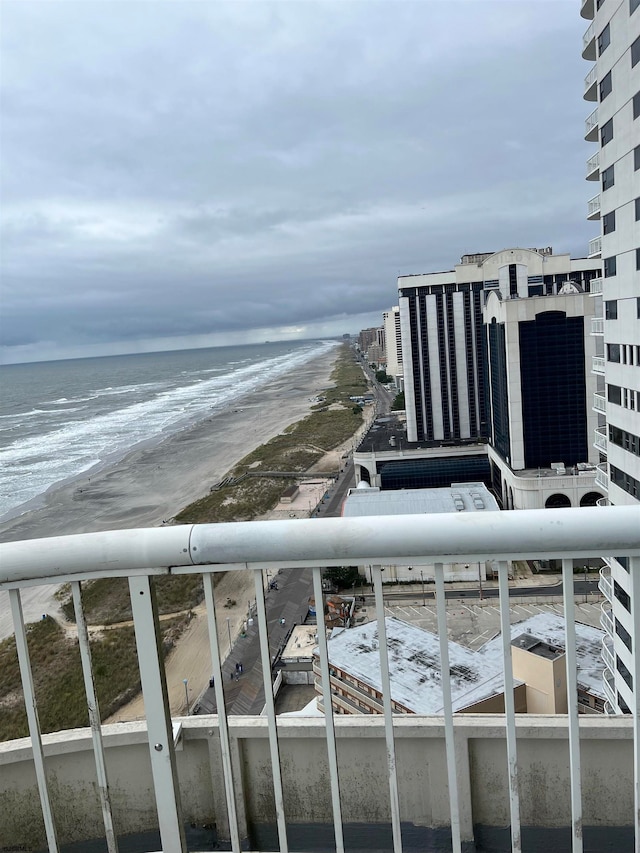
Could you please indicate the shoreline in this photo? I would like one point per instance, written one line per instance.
(151, 484)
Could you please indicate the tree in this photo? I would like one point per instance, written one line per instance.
(343, 577)
(398, 403)
(382, 377)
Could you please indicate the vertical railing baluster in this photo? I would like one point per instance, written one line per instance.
(223, 725)
(634, 569)
(388, 711)
(572, 704)
(509, 708)
(265, 658)
(32, 718)
(328, 711)
(94, 718)
(156, 707)
(441, 607)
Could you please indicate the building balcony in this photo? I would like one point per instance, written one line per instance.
(587, 9)
(602, 476)
(161, 776)
(597, 365)
(600, 439)
(609, 685)
(606, 619)
(591, 127)
(608, 655)
(593, 167)
(603, 502)
(589, 43)
(604, 583)
(591, 86)
(599, 402)
(595, 247)
(595, 286)
(593, 207)
(597, 325)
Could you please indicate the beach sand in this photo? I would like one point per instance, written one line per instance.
(155, 482)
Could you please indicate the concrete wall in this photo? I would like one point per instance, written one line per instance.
(543, 753)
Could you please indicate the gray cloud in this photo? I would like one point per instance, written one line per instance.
(183, 170)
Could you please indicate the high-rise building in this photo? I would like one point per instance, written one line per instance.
(612, 43)
(500, 349)
(393, 345)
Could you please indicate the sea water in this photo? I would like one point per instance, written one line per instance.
(59, 419)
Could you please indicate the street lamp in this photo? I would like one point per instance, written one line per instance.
(185, 681)
(422, 582)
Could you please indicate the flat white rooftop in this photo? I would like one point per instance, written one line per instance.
(459, 497)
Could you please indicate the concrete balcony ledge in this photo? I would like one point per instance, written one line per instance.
(591, 85)
(589, 43)
(587, 9)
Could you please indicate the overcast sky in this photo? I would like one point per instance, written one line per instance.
(184, 173)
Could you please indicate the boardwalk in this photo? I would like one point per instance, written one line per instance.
(289, 602)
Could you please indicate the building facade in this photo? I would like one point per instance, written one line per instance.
(612, 44)
(393, 345)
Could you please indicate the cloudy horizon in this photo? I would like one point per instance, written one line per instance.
(182, 174)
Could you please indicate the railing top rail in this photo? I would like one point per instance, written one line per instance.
(419, 539)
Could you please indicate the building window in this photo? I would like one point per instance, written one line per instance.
(630, 485)
(624, 672)
(605, 86)
(621, 596)
(638, 259)
(613, 353)
(614, 394)
(637, 203)
(627, 441)
(609, 222)
(608, 178)
(611, 310)
(609, 270)
(604, 40)
(635, 52)
(624, 635)
(636, 158)
(633, 5)
(606, 132)
(636, 102)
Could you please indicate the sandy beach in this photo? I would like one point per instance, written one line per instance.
(153, 483)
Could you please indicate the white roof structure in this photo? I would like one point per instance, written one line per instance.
(459, 497)
(550, 628)
(414, 666)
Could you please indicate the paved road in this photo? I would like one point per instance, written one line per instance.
(580, 587)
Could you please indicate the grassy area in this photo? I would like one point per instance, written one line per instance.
(57, 674)
(106, 601)
(297, 448)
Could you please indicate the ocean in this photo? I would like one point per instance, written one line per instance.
(60, 419)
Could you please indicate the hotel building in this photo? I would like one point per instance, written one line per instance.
(612, 44)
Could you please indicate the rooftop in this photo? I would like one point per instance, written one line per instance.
(459, 497)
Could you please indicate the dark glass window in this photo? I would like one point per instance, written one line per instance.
(638, 259)
(636, 102)
(613, 353)
(624, 672)
(624, 635)
(611, 310)
(636, 158)
(635, 52)
(637, 202)
(607, 178)
(606, 132)
(628, 441)
(625, 481)
(609, 222)
(622, 596)
(614, 394)
(598, 4)
(604, 40)
(609, 270)
(633, 5)
(605, 86)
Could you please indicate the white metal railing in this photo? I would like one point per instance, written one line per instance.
(603, 502)
(600, 438)
(604, 583)
(596, 287)
(606, 620)
(564, 534)
(593, 207)
(590, 85)
(599, 402)
(608, 656)
(597, 325)
(602, 476)
(591, 126)
(597, 364)
(609, 685)
(588, 41)
(593, 167)
(595, 247)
